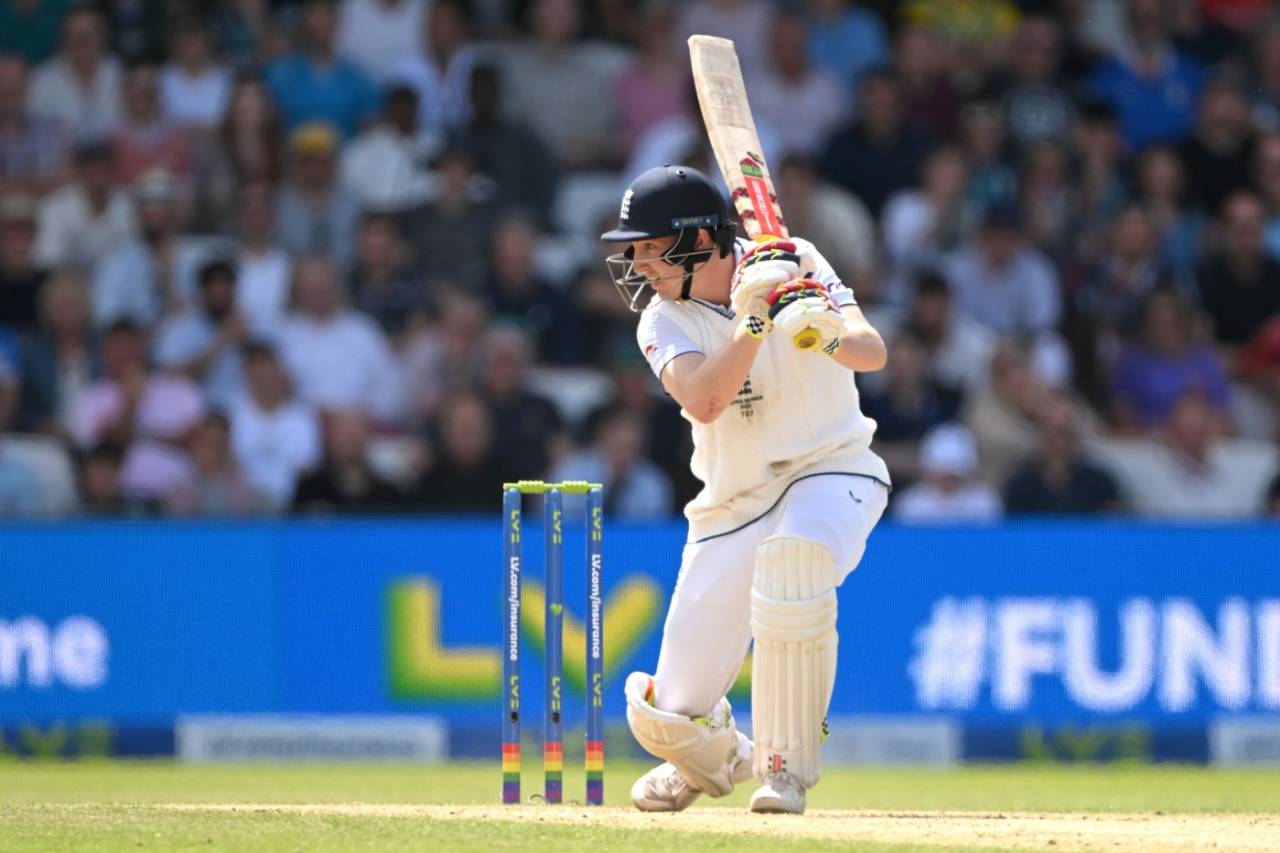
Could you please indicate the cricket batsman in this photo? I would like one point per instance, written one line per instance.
(791, 489)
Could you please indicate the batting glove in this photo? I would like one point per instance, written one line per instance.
(763, 269)
(804, 305)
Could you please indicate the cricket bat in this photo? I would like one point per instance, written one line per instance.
(722, 95)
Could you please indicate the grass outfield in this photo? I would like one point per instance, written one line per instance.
(116, 806)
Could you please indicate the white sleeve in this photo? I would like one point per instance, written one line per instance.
(823, 273)
(661, 340)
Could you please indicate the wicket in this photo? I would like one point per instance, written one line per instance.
(553, 743)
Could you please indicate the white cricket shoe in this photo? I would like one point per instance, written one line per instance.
(781, 793)
(663, 789)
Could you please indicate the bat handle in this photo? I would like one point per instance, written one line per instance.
(806, 339)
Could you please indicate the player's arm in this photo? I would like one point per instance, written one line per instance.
(861, 347)
(704, 386)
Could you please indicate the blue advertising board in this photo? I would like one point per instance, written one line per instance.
(998, 628)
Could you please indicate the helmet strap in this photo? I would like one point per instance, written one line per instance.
(684, 245)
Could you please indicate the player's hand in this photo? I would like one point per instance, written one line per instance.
(762, 270)
(804, 305)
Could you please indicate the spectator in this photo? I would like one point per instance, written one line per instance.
(1193, 473)
(520, 165)
(19, 484)
(263, 292)
(1036, 108)
(150, 415)
(444, 355)
(789, 86)
(59, 359)
(1164, 366)
(846, 40)
(1218, 155)
(1152, 87)
(20, 278)
(154, 273)
(382, 285)
(1099, 186)
(999, 281)
(79, 224)
(653, 87)
(993, 182)
(219, 486)
(136, 27)
(376, 35)
(910, 404)
(920, 225)
(948, 490)
(101, 492)
(525, 423)
(547, 80)
(145, 141)
(1266, 168)
(204, 341)
(246, 148)
(194, 86)
(337, 357)
(313, 84)
(33, 151)
(745, 22)
(30, 29)
(468, 467)
(1047, 200)
(930, 100)
(1179, 227)
(877, 154)
(344, 482)
(520, 295)
(634, 488)
(240, 31)
(958, 349)
(978, 33)
(314, 213)
(1256, 393)
(439, 69)
(833, 219)
(80, 86)
(385, 166)
(1239, 284)
(1059, 479)
(275, 437)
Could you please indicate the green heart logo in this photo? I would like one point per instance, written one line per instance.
(557, 608)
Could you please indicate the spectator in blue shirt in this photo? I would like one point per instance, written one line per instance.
(1151, 86)
(313, 84)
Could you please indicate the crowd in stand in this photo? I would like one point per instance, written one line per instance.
(340, 255)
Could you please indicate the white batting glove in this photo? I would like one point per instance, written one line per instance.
(762, 270)
(805, 306)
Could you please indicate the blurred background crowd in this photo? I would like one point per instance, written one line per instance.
(265, 257)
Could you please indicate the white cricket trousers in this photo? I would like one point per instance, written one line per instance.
(708, 627)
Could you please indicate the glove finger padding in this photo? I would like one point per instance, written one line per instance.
(806, 305)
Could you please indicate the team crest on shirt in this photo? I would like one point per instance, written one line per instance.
(745, 400)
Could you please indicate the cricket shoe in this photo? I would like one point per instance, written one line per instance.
(781, 793)
(663, 789)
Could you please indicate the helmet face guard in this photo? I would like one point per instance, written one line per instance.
(631, 283)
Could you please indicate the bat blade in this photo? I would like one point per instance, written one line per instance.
(722, 96)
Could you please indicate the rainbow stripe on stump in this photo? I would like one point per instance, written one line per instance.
(511, 773)
(553, 768)
(595, 772)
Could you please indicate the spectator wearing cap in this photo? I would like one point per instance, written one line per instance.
(145, 140)
(948, 491)
(194, 86)
(314, 84)
(878, 154)
(1218, 156)
(377, 35)
(1152, 87)
(1001, 282)
(439, 70)
(30, 29)
(20, 277)
(1060, 479)
(344, 481)
(81, 223)
(150, 414)
(59, 358)
(385, 167)
(337, 357)
(262, 294)
(203, 341)
(275, 436)
(153, 274)
(81, 86)
(314, 212)
(34, 152)
(1239, 284)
